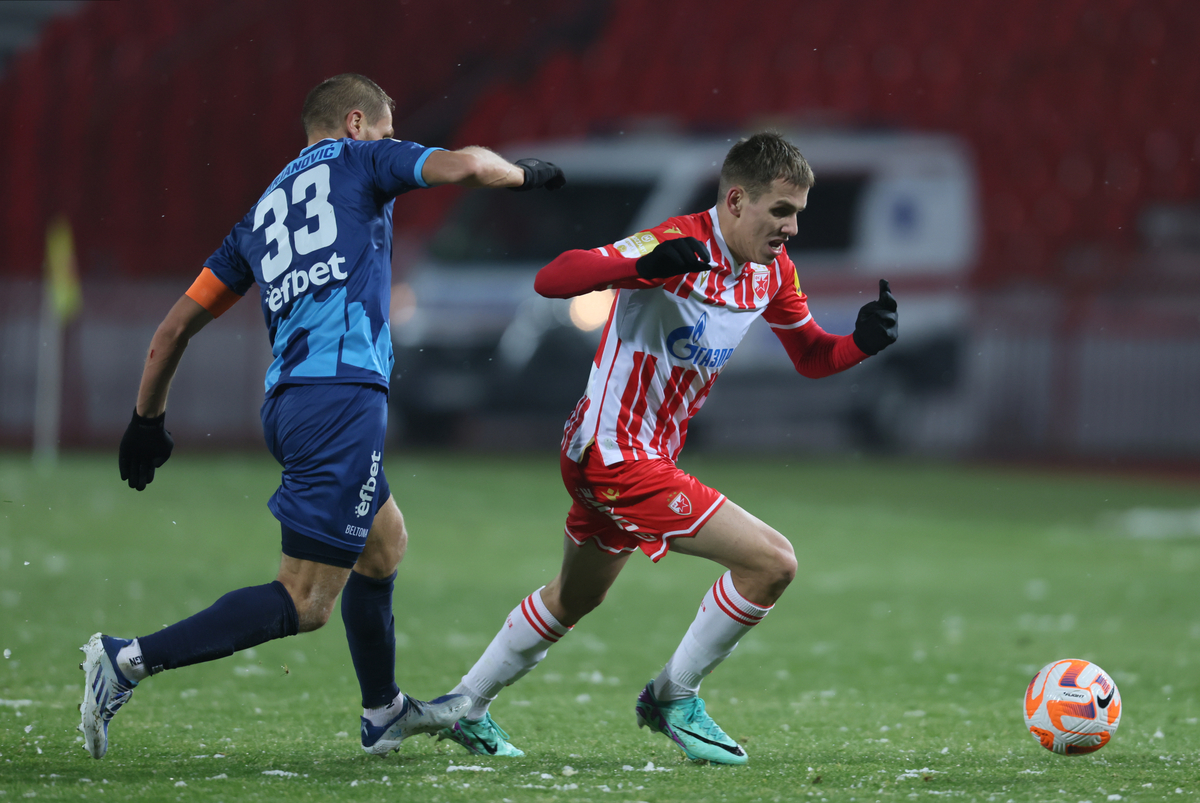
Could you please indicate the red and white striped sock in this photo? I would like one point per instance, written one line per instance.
(724, 617)
(520, 645)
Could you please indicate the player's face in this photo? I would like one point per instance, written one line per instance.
(764, 224)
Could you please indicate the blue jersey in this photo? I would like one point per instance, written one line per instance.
(319, 245)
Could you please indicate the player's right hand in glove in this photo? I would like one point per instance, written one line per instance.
(674, 258)
(540, 174)
(145, 446)
(876, 327)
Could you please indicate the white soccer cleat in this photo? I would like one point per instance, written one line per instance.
(415, 717)
(105, 691)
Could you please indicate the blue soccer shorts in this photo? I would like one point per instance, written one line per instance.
(329, 440)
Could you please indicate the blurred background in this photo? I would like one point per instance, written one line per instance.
(1024, 173)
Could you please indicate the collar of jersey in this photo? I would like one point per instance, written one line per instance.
(308, 148)
(737, 269)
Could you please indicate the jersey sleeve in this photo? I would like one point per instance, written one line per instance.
(638, 245)
(814, 352)
(631, 249)
(228, 265)
(789, 308)
(395, 165)
(574, 273)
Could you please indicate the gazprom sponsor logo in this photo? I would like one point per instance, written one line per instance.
(684, 344)
(330, 150)
(294, 284)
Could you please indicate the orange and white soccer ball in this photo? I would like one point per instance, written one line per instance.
(1072, 706)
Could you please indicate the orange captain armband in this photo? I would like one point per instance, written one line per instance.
(211, 293)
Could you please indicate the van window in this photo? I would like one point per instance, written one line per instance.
(826, 225)
(538, 226)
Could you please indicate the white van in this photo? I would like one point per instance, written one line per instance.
(474, 341)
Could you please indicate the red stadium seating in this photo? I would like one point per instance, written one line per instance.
(153, 126)
(172, 116)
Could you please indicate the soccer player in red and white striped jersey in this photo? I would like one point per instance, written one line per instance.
(687, 290)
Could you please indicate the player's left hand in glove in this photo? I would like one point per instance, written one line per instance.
(540, 174)
(145, 446)
(876, 327)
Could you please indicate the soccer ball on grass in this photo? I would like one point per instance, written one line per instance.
(1072, 707)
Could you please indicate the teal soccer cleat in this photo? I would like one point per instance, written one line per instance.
(483, 737)
(415, 717)
(686, 723)
(105, 691)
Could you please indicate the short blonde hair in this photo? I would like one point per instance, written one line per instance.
(756, 161)
(331, 100)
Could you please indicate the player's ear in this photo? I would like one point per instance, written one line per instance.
(354, 123)
(735, 199)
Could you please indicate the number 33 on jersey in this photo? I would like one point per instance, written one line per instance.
(319, 246)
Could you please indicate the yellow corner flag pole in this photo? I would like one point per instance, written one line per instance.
(62, 299)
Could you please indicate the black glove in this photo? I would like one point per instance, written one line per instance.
(145, 446)
(875, 328)
(674, 258)
(540, 174)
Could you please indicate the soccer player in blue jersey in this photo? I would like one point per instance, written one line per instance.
(319, 245)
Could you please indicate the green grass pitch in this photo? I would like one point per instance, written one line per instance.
(893, 669)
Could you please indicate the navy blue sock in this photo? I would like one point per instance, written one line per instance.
(237, 621)
(371, 634)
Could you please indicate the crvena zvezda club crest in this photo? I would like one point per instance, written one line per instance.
(680, 504)
(762, 280)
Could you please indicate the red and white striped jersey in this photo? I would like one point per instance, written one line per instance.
(667, 340)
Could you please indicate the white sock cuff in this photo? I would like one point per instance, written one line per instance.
(129, 661)
(734, 605)
(380, 715)
(540, 619)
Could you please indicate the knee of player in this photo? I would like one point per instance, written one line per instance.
(786, 571)
(781, 565)
(380, 563)
(384, 549)
(312, 612)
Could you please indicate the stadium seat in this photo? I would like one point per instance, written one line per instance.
(1028, 84)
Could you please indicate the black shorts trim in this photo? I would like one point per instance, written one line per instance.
(303, 547)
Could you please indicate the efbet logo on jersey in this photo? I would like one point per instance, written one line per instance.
(684, 344)
(298, 282)
(367, 492)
